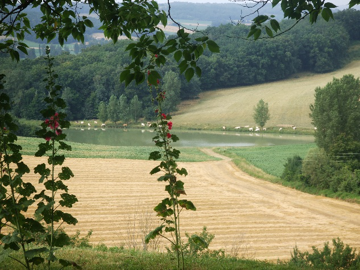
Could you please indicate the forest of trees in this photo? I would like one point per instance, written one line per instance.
(92, 76)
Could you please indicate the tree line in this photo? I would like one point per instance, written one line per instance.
(92, 76)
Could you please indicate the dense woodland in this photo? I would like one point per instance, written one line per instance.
(91, 77)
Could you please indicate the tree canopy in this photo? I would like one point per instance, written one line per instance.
(261, 113)
(336, 116)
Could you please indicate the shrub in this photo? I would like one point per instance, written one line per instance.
(319, 168)
(293, 169)
(340, 257)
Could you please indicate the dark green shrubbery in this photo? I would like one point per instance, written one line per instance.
(293, 169)
(339, 257)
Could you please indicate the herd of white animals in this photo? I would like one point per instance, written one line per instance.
(256, 129)
(251, 129)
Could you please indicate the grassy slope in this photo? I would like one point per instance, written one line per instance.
(288, 100)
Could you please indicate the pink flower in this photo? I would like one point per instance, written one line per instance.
(148, 72)
(169, 125)
(168, 135)
(156, 111)
(156, 56)
(163, 115)
(157, 81)
(58, 132)
(47, 138)
(53, 122)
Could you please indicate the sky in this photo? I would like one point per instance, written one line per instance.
(342, 4)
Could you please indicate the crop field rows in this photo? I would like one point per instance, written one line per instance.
(249, 217)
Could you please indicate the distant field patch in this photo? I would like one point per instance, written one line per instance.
(270, 159)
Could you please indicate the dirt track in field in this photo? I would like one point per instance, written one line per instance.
(261, 219)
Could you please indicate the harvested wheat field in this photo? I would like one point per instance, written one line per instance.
(249, 217)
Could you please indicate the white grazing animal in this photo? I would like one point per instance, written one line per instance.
(251, 129)
(264, 129)
(280, 129)
(238, 127)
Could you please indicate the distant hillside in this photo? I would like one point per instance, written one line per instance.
(288, 100)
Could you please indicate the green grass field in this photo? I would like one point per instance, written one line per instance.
(102, 258)
(270, 159)
(82, 150)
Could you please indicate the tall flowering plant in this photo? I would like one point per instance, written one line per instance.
(49, 206)
(16, 228)
(168, 209)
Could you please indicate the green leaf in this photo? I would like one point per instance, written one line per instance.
(213, 47)
(68, 200)
(198, 71)
(330, 5)
(124, 74)
(155, 155)
(154, 233)
(34, 252)
(155, 170)
(257, 34)
(268, 31)
(275, 25)
(188, 205)
(275, 2)
(182, 171)
(61, 240)
(177, 56)
(189, 73)
(160, 36)
(353, 3)
(327, 14)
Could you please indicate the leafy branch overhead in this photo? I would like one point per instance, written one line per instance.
(296, 10)
(136, 19)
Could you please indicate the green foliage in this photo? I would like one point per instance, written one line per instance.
(135, 108)
(113, 109)
(296, 10)
(336, 113)
(319, 168)
(168, 209)
(172, 89)
(261, 113)
(198, 243)
(292, 170)
(102, 115)
(339, 257)
(48, 207)
(15, 194)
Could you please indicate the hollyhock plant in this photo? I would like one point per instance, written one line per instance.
(170, 208)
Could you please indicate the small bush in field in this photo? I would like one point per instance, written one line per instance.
(339, 257)
(293, 169)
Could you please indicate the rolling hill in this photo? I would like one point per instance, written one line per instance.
(288, 101)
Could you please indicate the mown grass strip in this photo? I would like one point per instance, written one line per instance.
(82, 150)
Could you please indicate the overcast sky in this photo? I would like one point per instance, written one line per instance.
(342, 4)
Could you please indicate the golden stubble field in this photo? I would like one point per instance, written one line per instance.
(260, 219)
(288, 101)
